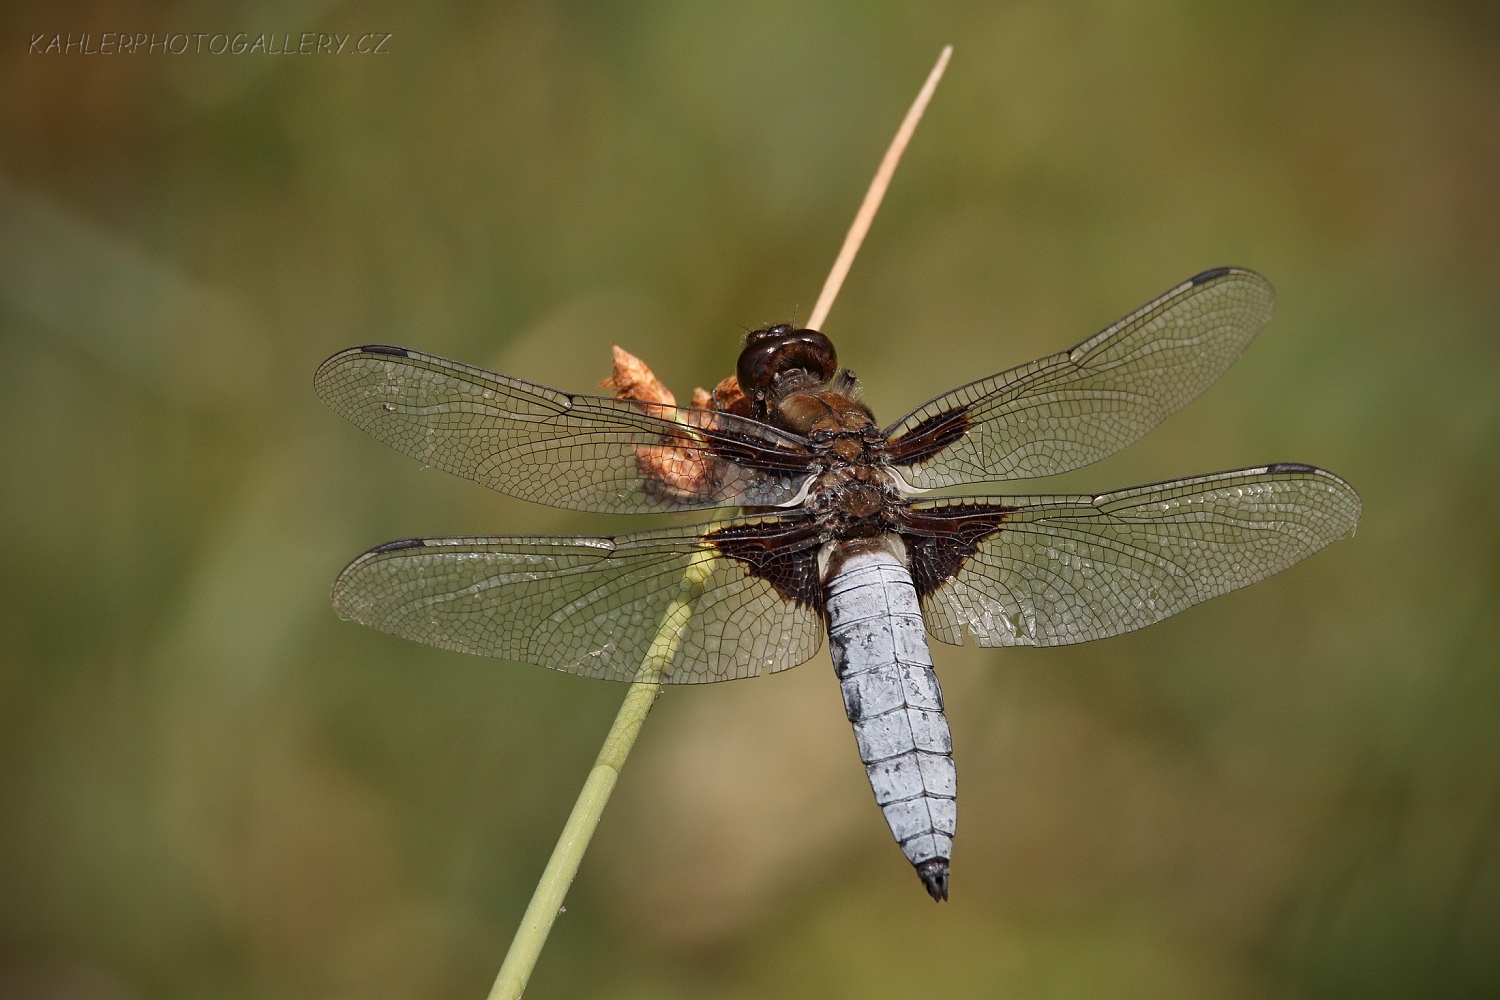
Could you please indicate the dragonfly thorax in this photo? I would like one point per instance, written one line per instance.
(856, 501)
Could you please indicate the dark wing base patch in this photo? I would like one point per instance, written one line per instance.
(565, 450)
(602, 607)
(1075, 407)
(784, 553)
(928, 438)
(939, 539)
(1052, 570)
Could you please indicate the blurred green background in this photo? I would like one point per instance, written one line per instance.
(212, 788)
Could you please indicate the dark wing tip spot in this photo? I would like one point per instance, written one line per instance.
(1291, 467)
(1209, 275)
(395, 352)
(405, 543)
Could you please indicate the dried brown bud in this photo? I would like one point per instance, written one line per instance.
(681, 465)
(635, 381)
(730, 398)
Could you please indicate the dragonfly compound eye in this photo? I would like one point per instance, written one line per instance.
(781, 349)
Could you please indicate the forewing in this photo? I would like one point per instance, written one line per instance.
(1076, 407)
(1047, 571)
(742, 596)
(580, 452)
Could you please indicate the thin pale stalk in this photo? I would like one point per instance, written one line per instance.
(547, 901)
(876, 192)
(557, 877)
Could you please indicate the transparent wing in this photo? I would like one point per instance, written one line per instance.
(597, 606)
(1076, 407)
(1047, 571)
(580, 452)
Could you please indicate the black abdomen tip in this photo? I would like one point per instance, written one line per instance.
(934, 875)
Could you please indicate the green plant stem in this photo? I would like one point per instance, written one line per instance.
(547, 901)
(579, 830)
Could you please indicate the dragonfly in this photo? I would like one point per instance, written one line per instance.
(836, 533)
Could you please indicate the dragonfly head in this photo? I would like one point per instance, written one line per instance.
(781, 364)
(778, 353)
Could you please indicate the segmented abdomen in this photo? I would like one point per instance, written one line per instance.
(892, 697)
